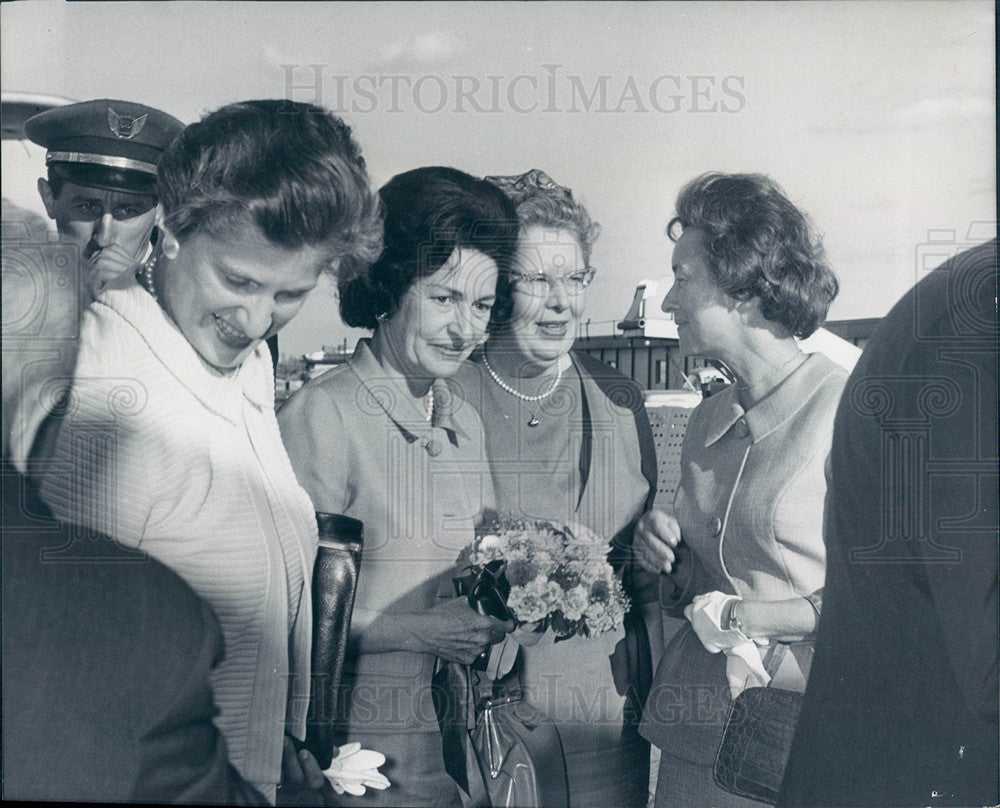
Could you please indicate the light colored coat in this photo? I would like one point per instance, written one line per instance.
(162, 454)
(361, 446)
(750, 507)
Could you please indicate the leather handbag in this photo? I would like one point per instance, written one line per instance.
(520, 755)
(504, 752)
(335, 578)
(757, 739)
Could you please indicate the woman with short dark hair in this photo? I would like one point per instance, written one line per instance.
(387, 440)
(740, 553)
(170, 443)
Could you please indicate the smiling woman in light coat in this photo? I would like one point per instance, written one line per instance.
(741, 552)
(169, 442)
(384, 438)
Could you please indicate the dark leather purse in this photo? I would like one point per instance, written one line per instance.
(335, 578)
(503, 751)
(757, 739)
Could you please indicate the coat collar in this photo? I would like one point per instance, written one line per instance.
(780, 405)
(396, 401)
(223, 395)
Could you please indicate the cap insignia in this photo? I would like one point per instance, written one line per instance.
(125, 126)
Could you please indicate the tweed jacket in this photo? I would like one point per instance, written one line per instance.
(160, 453)
(750, 508)
(611, 447)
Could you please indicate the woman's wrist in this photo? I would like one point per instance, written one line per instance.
(788, 620)
(732, 618)
(734, 622)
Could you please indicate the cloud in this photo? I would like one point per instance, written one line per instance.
(428, 51)
(938, 110)
(933, 112)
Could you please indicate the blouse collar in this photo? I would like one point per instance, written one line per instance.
(777, 407)
(398, 403)
(253, 379)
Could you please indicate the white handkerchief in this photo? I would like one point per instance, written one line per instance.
(745, 668)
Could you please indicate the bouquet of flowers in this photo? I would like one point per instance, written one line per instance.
(554, 575)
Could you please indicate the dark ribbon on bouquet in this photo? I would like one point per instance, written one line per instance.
(487, 591)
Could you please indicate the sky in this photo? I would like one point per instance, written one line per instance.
(877, 118)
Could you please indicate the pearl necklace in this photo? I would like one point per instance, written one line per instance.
(532, 421)
(146, 278)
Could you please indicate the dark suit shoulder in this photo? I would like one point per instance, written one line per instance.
(101, 646)
(956, 301)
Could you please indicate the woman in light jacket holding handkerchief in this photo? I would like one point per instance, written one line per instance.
(741, 552)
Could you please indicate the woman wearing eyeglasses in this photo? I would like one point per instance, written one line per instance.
(567, 439)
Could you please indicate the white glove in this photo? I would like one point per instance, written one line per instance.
(354, 768)
(705, 614)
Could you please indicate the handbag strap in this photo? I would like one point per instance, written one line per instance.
(488, 693)
(774, 659)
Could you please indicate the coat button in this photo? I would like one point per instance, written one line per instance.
(715, 526)
(742, 430)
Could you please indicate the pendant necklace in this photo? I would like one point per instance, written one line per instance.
(532, 421)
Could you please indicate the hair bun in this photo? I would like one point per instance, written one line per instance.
(519, 187)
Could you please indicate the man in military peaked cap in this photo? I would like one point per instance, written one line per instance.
(101, 186)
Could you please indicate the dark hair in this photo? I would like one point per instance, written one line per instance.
(760, 246)
(429, 212)
(289, 168)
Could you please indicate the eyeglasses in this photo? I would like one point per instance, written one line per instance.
(541, 285)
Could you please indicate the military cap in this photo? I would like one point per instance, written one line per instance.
(104, 143)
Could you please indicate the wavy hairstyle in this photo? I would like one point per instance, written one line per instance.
(429, 213)
(760, 247)
(540, 202)
(291, 169)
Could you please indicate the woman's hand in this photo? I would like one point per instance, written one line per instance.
(453, 631)
(302, 780)
(790, 620)
(656, 535)
(707, 614)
